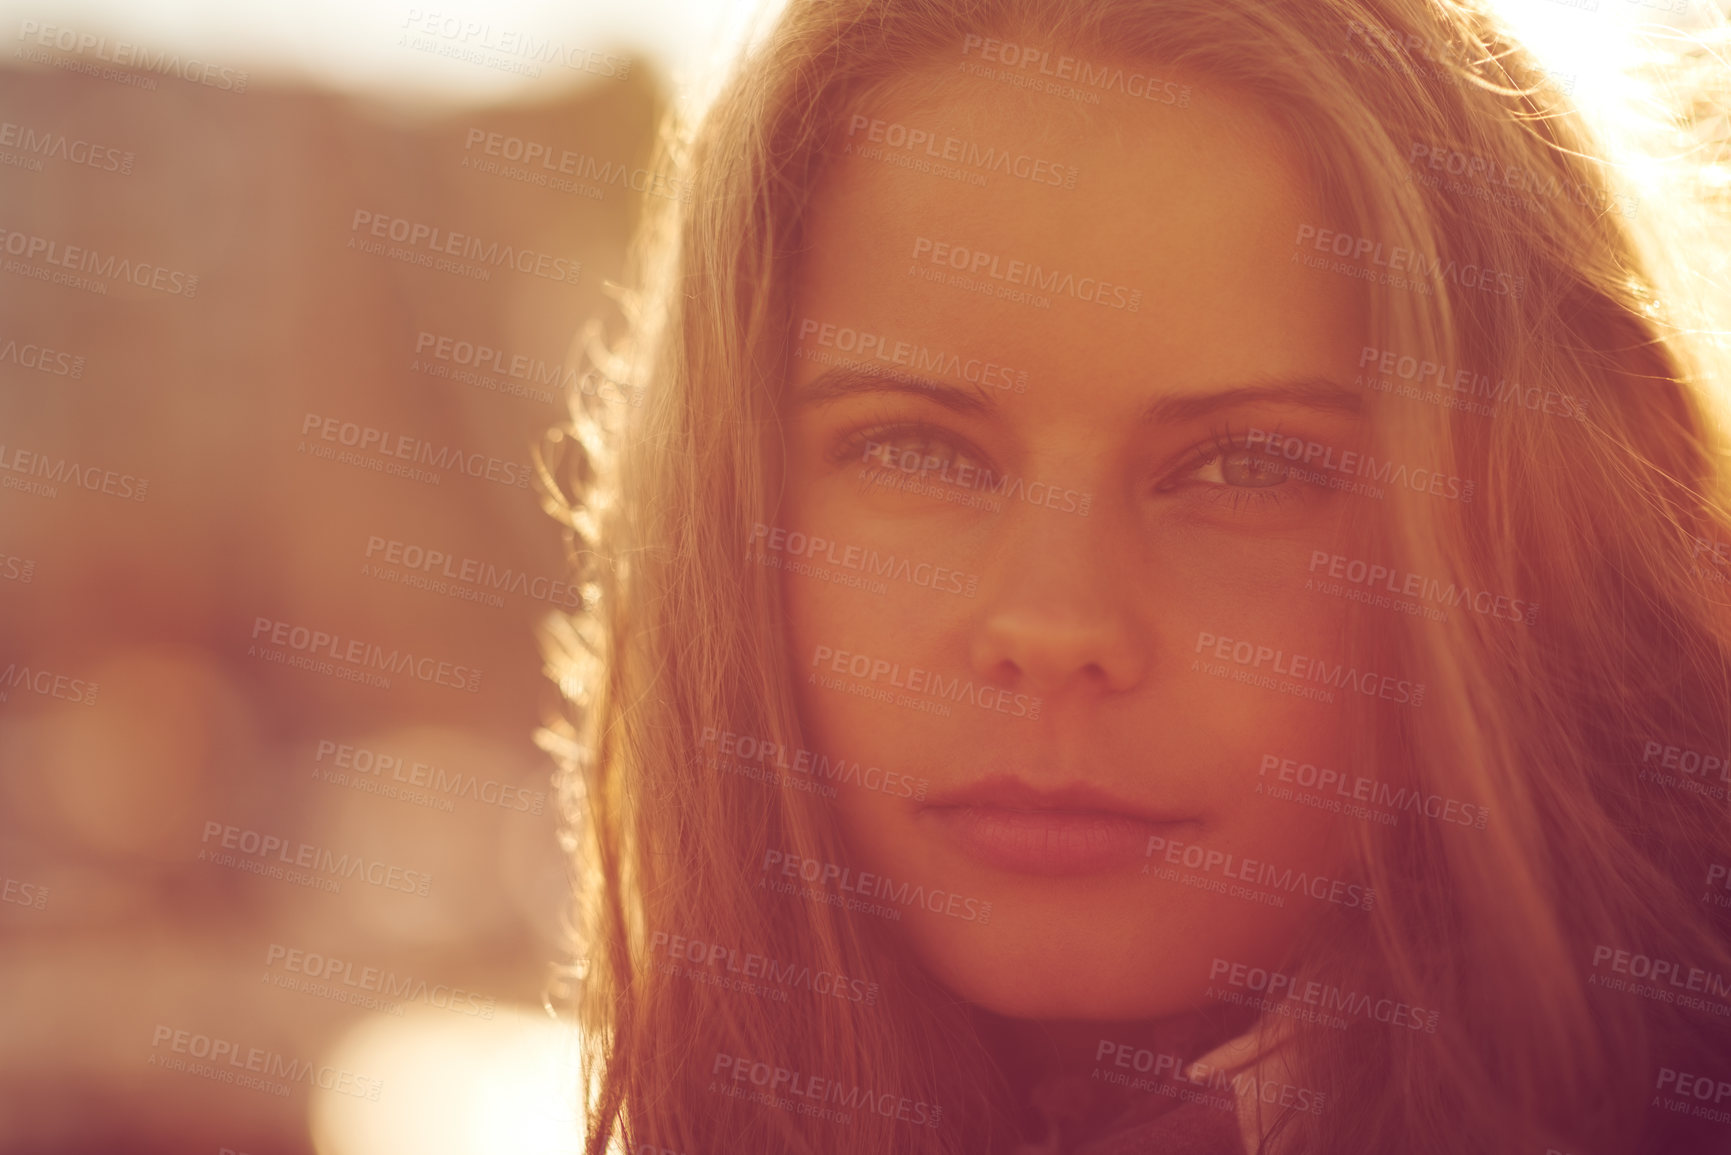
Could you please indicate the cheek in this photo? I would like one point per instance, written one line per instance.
(848, 617)
(1268, 819)
(853, 636)
(1244, 716)
(856, 620)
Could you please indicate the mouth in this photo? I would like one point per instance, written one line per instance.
(1005, 823)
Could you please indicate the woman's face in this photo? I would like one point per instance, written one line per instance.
(1051, 535)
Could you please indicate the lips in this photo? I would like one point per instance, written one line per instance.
(1005, 823)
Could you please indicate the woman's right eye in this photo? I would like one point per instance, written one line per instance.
(916, 449)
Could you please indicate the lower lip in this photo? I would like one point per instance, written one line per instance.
(1049, 842)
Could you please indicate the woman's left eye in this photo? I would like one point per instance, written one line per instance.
(1228, 472)
(1240, 467)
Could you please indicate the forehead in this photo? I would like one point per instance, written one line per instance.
(1084, 239)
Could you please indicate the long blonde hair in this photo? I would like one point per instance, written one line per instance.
(1598, 521)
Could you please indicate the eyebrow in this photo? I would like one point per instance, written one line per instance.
(850, 381)
(1319, 393)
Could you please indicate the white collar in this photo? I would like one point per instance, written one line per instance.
(1260, 1053)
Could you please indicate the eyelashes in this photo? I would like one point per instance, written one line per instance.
(1247, 479)
(1224, 470)
(928, 447)
(933, 446)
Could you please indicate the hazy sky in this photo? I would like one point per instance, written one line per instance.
(383, 46)
(361, 44)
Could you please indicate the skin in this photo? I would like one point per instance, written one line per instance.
(1097, 616)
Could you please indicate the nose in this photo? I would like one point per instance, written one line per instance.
(1059, 611)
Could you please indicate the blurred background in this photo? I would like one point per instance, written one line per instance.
(288, 294)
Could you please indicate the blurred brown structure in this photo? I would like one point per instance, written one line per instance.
(178, 528)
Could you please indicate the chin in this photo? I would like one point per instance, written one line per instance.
(1046, 977)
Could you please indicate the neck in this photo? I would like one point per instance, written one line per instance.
(1050, 1065)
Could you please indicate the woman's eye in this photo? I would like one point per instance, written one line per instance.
(1231, 474)
(1241, 468)
(915, 450)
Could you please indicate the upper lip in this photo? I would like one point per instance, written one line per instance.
(1007, 792)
